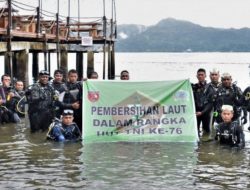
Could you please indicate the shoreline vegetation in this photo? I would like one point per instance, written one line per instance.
(171, 35)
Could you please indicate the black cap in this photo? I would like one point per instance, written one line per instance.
(68, 112)
(43, 72)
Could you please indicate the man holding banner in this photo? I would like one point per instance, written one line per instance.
(202, 106)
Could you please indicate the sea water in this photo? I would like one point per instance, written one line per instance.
(28, 161)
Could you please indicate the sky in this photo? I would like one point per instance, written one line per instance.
(214, 13)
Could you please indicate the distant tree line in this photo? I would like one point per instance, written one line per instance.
(171, 35)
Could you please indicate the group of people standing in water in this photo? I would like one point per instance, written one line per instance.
(222, 102)
(53, 105)
(56, 105)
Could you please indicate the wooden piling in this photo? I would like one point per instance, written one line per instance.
(45, 55)
(79, 64)
(90, 66)
(49, 63)
(45, 60)
(35, 66)
(7, 64)
(113, 62)
(109, 61)
(34, 34)
(20, 66)
(64, 63)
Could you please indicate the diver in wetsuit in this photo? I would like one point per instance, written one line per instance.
(246, 101)
(64, 130)
(230, 94)
(6, 93)
(229, 132)
(16, 103)
(41, 97)
(211, 91)
(74, 95)
(202, 106)
(61, 88)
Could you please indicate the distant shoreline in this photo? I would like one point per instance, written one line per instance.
(171, 35)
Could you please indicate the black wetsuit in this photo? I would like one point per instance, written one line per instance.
(60, 105)
(16, 105)
(229, 96)
(73, 95)
(40, 99)
(7, 115)
(246, 99)
(62, 132)
(230, 133)
(211, 92)
(202, 105)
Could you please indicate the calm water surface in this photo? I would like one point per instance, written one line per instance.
(28, 161)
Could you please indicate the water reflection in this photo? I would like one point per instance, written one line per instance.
(222, 167)
(139, 165)
(28, 161)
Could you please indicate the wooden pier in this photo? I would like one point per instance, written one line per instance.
(22, 35)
